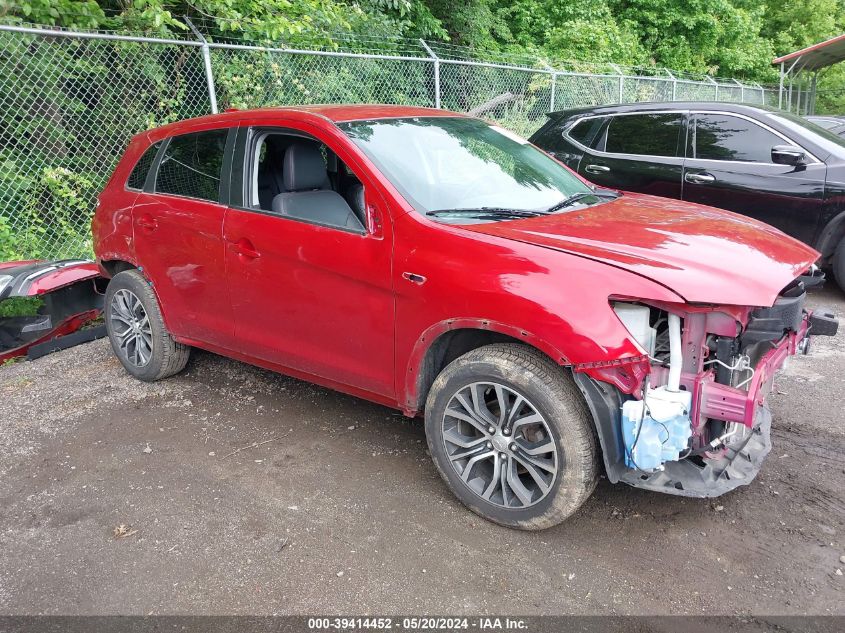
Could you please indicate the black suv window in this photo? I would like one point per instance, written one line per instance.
(191, 165)
(139, 173)
(726, 137)
(585, 130)
(654, 134)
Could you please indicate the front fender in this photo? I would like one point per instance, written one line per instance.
(557, 302)
(415, 364)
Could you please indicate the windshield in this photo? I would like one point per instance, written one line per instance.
(462, 164)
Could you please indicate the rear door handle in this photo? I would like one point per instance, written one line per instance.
(699, 178)
(147, 222)
(244, 248)
(596, 169)
(414, 278)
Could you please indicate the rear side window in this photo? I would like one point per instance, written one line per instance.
(191, 165)
(726, 137)
(585, 130)
(139, 173)
(645, 134)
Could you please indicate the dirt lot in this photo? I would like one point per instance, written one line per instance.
(342, 510)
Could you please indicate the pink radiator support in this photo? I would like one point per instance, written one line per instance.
(730, 404)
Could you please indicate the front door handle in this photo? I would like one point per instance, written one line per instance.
(699, 178)
(244, 249)
(597, 169)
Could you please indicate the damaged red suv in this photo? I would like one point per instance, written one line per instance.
(436, 263)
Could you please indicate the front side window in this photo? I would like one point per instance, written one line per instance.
(726, 137)
(656, 134)
(191, 165)
(139, 173)
(457, 163)
(299, 177)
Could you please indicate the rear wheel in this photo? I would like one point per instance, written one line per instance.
(512, 437)
(136, 329)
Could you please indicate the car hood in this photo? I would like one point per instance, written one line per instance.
(703, 254)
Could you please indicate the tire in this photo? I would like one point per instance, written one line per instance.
(148, 352)
(839, 264)
(563, 433)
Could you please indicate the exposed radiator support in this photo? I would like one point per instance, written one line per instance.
(676, 354)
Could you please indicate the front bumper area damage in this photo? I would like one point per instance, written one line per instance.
(44, 306)
(713, 476)
(722, 364)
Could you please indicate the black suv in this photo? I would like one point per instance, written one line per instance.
(764, 163)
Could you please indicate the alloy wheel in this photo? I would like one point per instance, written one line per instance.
(500, 445)
(130, 326)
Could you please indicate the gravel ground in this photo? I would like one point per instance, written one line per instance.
(338, 509)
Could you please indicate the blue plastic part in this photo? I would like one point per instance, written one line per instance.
(656, 432)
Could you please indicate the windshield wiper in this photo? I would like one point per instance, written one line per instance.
(576, 197)
(498, 212)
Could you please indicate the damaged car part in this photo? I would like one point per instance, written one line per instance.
(69, 297)
(705, 429)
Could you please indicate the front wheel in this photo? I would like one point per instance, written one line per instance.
(839, 264)
(136, 329)
(512, 437)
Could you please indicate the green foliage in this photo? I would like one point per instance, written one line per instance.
(20, 306)
(726, 37)
(57, 212)
(71, 13)
(8, 241)
(77, 101)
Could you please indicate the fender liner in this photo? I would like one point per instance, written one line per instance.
(605, 404)
(416, 372)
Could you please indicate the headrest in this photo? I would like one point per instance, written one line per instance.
(304, 167)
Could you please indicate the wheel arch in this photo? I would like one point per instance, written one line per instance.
(831, 235)
(113, 266)
(445, 341)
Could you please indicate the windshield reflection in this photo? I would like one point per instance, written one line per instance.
(442, 163)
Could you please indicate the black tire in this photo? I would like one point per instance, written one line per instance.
(552, 393)
(839, 264)
(165, 357)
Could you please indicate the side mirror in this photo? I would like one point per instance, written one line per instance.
(788, 155)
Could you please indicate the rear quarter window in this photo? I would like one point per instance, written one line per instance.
(585, 130)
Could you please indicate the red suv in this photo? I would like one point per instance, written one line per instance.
(436, 263)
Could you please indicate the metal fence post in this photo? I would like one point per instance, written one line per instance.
(621, 82)
(554, 86)
(206, 60)
(813, 86)
(710, 80)
(436, 73)
(674, 85)
(741, 90)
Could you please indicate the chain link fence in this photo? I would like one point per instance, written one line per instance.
(70, 101)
